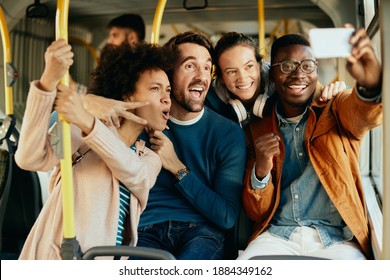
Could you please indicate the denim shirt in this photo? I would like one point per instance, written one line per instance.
(303, 200)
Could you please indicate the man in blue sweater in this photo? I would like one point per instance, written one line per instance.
(197, 196)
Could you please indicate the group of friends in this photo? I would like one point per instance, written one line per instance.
(170, 155)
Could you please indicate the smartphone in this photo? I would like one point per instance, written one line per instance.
(330, 42)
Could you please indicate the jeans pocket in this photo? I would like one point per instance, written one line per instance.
(145, 228)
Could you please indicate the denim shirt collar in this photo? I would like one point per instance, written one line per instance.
(303, 200)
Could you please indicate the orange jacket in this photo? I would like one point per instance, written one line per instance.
(333, 135)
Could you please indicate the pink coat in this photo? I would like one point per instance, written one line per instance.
(95, 181)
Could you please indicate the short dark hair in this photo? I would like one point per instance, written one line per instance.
(287, 40)
(230, 40)
(132, 21)
(187, 37)
(120, 68)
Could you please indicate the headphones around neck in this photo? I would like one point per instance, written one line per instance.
(239, 108)
(241, 111)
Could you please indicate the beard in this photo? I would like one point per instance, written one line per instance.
(188, 104)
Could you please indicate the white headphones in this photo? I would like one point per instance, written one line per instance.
(241, 111)
(237, 105)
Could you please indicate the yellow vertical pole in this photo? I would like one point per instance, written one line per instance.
(261, 23)
(7, 61)
(157, 21)
(286, 24)
(66, 161)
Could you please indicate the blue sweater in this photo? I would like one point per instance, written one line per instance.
(214, 150)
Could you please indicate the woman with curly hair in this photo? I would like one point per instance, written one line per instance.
(112, 171)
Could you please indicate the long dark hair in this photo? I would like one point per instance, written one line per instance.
(230, 40)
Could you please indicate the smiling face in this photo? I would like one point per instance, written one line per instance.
(191, 77)
(240, 71)
(296, 88)
(153, 86)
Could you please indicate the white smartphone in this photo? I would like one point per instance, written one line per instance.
(330, 42)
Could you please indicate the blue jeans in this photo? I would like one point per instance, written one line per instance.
(184, 240)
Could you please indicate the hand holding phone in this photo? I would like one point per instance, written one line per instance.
(330, 42)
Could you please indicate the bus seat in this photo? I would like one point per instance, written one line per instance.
(136, 252)
(245, 230)
(231, 249)
(22, 209)
(20, 201)
(238, 236)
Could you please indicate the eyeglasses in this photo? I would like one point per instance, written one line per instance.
(289, 66)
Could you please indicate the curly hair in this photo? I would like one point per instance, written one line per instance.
(120, 68)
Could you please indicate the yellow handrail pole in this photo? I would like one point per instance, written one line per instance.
(286, 24)
(262, 47)
(66, 161)
(157, 21)
(7, 60)
(86, 45)
(274, 33)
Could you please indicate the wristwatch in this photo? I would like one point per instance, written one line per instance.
(181, 174)
(372, 92)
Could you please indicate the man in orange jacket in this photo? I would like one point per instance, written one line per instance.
(302, 183)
